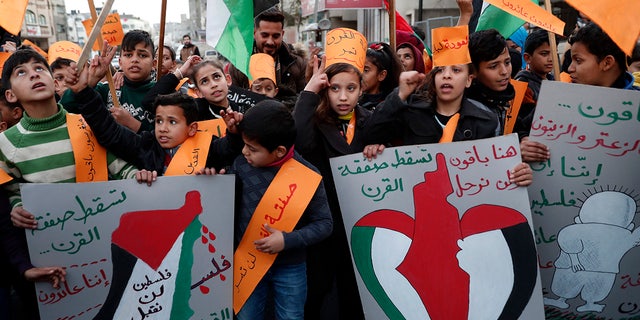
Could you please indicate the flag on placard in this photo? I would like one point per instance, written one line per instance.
(617, 18)
(12, 15)
(230, 30)
(492, 17)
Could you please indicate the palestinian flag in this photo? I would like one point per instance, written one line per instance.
(230, 30)
(492, 17)
(152, 257)
(439, 266)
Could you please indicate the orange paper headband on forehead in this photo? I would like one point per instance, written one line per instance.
(262, 65)
(450, 46)
(347, 46)
(64, 49)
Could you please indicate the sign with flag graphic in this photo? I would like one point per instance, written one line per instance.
(439, 232)
(159, 252)
(230, 30)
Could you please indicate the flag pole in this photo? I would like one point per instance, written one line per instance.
(94, 17)
(553, 45)
(163, 15)
(392, 24)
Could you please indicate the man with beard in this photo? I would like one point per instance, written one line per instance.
(290, 67)
(188, 48)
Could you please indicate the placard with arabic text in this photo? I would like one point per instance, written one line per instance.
(439, 232)
(133, 251)
(584, 200)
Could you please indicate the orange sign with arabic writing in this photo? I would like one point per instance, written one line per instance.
(111, 30)
(619, 19)
(12, 15)
(512, 113)
(3, 57)
(26, 42)
(90, 157)
(64, 49)
(347, 46)
(531, 12)
(450, 46)
(281, 207)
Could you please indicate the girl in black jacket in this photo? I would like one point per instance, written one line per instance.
(329, 122)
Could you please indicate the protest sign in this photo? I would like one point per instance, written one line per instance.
(64, 49)
(532, 13)
(111, 30)
(584, 200)
(439, 232)
(161, 252)
(450, 46)
(344, 45)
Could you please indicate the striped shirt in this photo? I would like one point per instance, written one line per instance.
(39, 150)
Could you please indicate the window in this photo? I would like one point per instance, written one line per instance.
(30, 17)
(43, 20)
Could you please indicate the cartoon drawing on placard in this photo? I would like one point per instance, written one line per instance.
(481, 265)
(591, 249)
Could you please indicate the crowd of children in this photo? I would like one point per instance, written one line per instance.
(391, 97)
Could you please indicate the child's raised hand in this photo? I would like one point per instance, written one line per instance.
(319, 79)
(372, 151)
(209, 172)
(231, 119)
(272, 244)
(145, 176)
(9, 47)
(522, 174)
(186, 69)
(313, 51)
(74, 80)
(123, 117)
(466, 10)
(100, 64)
(409, 82)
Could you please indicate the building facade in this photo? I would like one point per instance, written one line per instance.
(42, 21)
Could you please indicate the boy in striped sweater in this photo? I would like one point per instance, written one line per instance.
(39, 147)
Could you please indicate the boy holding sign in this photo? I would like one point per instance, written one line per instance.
(178, 145)
(48, 144)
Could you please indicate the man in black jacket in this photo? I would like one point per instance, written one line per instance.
(267, 34)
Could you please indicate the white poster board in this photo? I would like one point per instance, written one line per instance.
(135, 252)
(409, 212)
(584, 200)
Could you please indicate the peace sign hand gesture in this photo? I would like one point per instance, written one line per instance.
(319, 79)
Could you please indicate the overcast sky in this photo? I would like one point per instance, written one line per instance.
(145, 9)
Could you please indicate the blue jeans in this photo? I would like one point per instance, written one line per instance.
(288, 286)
